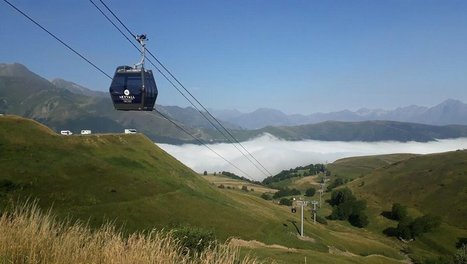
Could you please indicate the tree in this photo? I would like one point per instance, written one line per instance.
(359, 220)
(266, 196)
(205, 173)
(221, 186)
(347, 207)
(286, 192)
(341, 196)
(215, 173)
(310, 192)
(285, 201)
(245, 188)
(424, 224)
(398, 212)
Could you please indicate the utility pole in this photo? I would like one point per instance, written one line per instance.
(320, 196)
(302, 204)
(314, 210)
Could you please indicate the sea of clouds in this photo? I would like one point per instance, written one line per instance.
(277, 154)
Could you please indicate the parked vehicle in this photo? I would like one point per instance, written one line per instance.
(130, 131)
(85, 132)
(66, 132)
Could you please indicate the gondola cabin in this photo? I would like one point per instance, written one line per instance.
(133, 89)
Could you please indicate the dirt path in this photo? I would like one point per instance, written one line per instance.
(256, 244)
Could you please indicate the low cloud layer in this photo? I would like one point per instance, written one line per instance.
(277, 154)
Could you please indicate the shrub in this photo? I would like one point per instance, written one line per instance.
(245, 188)
(221, 186)
(398, 212)
(266, 196)
(321, 220)
(285, 201)
(462, 241)
(310, 192)
(359, 220)
(337, 182)
(286, 192)
(341, 196)
(424, 224)
(347, 207)
(408, 228)
(205, 173)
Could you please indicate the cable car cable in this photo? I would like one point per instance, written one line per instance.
(57, 38)
(107, 75)
(175, 86)
(169, 72)
(201, 142)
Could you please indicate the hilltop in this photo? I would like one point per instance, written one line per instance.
(115, 176)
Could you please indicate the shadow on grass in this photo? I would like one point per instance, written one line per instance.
(294, 223)
(387, 214)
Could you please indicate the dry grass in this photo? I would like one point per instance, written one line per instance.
(29, 236)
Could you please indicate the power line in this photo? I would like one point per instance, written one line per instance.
(201, 142)
(166, 77)
(104, 73)
(192, 96)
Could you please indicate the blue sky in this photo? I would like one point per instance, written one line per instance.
(295, 56)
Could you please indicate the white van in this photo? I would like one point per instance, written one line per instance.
(85, 132)
(130, 131)
(66, 132)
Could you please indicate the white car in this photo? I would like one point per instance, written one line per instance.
(86, 132)
(66, 132)
(130, 131)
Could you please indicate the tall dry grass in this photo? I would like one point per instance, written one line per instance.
(29, 236)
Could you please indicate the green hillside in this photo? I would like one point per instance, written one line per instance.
(435, 183)
(354, 167)
(129, 180)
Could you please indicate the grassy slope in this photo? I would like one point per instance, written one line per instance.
(434, 184)
(354, 167)
(217, 180)
(427, 184)
(128, 179)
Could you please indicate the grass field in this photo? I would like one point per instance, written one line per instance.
(130, 181)
(428, 184)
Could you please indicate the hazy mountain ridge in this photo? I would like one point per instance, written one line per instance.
(366, 131)
(448, 112)
(65, 105)
(62, 104)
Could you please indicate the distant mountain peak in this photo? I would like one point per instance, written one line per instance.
(14, 69)
(450, 111)
(76, 88)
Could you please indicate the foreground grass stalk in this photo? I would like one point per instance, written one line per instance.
(29, 236)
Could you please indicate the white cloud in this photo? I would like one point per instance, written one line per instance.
(277, 154)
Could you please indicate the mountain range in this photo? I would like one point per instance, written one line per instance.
(448, 112)
(61, 104)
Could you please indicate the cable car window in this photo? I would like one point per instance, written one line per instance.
(119, 81)
(134, 84)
